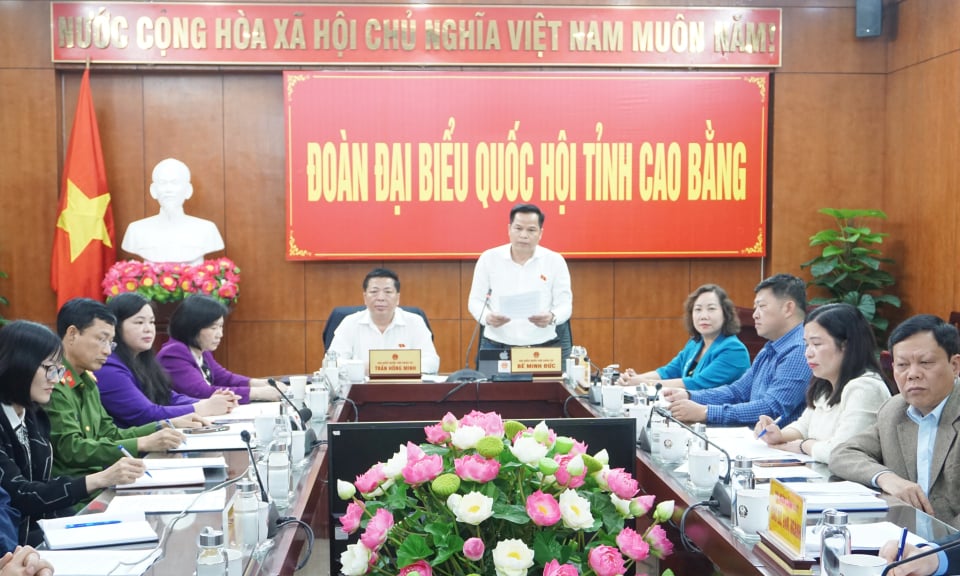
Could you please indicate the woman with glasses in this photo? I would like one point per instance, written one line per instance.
(30, 365)
(134, 388)
(196, 328)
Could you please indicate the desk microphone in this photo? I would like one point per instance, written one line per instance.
(643, 440)
(273, 515)
(720, 492)
(303, 414)
(927, 551)
(467, 375)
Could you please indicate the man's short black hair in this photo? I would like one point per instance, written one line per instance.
(81, 312)
(382, 273)
(527, 209)
(786, 286)
(943, 332)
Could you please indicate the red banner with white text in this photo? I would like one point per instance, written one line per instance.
(427, 165)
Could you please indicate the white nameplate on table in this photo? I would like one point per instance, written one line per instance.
(100, 562)
(169, 503)
(166, 477)
(90, 530)
(537, 361)
(393, 364)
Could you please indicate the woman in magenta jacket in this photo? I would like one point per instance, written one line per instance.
(196, 328)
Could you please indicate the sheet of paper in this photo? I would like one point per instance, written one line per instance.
(166, 477)
(740, 442)
(848, 496)
(168, 503)
(516, 306)
(249, 411)
(164, 463)
(100, 562)
(863, 537)
(766, 473)
(229, 439)
(92, 530)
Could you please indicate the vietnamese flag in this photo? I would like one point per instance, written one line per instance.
(83, 245)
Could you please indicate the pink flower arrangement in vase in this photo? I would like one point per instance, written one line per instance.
(164, 282)
(488, 498)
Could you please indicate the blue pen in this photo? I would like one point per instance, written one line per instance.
(764, 431)
(87, 524)
(129, 455)
(172, 427)
(903, 544)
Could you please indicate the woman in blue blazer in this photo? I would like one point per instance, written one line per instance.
(713, 356)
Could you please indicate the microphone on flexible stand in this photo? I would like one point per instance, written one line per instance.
(720, 492)
(927, 551)
(466, 375)
(303, 414)
(644, 439)
(273, 515)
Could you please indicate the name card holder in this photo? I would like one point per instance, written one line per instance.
(536, 361)
(397, 364)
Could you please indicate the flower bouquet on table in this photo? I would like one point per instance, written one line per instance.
(496, 498)
(170, 282)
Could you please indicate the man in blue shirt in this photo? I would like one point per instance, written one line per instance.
(912, 452)
(776, 383)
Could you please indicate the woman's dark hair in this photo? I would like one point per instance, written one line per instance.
(193, 315)
(731, 323)
(150, 377)
(24, 346)
(853, 336)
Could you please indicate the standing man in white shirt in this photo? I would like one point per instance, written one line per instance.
(384, 325)
(522, 271)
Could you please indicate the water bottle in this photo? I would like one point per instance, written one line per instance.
(741, 478)
(247, 516)
(319, 397)
(212, 557)
(834, 541)
(278, 460)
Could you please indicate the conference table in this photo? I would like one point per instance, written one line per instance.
(722, 549)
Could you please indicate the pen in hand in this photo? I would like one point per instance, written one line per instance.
(903, 544)
(129, 455)
(764, 431)
(172, 427)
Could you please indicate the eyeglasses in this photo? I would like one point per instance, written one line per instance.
(106, 343)
(55, 372)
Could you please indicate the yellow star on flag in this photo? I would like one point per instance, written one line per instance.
(83, 220)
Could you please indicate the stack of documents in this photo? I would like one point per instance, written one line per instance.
(164, 477)
(166, 503)
(88, 530)
(846, 496)
(100, 562)
(863, 537)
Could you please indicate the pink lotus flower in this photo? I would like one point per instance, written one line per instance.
(659, 544)
(421, 468)
(579, 448)
(621, 483)
(606, 561)
(564, 478)
(476, 468)
(642, 504)
(436, 434)
(419, 567)
(491, 422)
(633, 545)
(351, 520)
(543, 509)
(554, 568)
(371, 479)
(377, 529)
(473, 549)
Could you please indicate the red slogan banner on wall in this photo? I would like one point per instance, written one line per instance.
(427, 165)
(414, 34)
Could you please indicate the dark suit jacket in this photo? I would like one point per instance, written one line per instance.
(891, 444)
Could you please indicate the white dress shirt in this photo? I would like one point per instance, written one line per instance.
(357, 335)
(545, 273)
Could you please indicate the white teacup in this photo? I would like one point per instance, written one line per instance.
(753, 510)
(861, 565)
(355, 370)
(704, 468)
(612, 400)
(673, 444)
(298, 387)
(318, 401)
(264, 423)
(298, 446)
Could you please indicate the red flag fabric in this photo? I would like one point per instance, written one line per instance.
(83, 242)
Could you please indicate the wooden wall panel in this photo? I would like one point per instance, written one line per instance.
(25, 36)
(645, 344)
(842, 52)
(923, 31)
(650, 288)
(265, 348)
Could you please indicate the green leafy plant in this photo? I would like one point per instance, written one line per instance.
(849, 265)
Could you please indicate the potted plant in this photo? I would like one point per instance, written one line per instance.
(849, 265)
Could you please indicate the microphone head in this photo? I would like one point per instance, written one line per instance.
(659, 386)
(305, 415)
(272, 382)
(245, 436)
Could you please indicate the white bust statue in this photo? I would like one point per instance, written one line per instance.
(172, 235)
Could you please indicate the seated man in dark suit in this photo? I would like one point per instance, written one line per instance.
(912, 452)
(938, 564)
(384, 325)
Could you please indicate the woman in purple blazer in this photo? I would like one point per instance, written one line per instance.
(133, 386)
(196, 328)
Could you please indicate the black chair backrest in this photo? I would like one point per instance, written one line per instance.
(340, 312)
